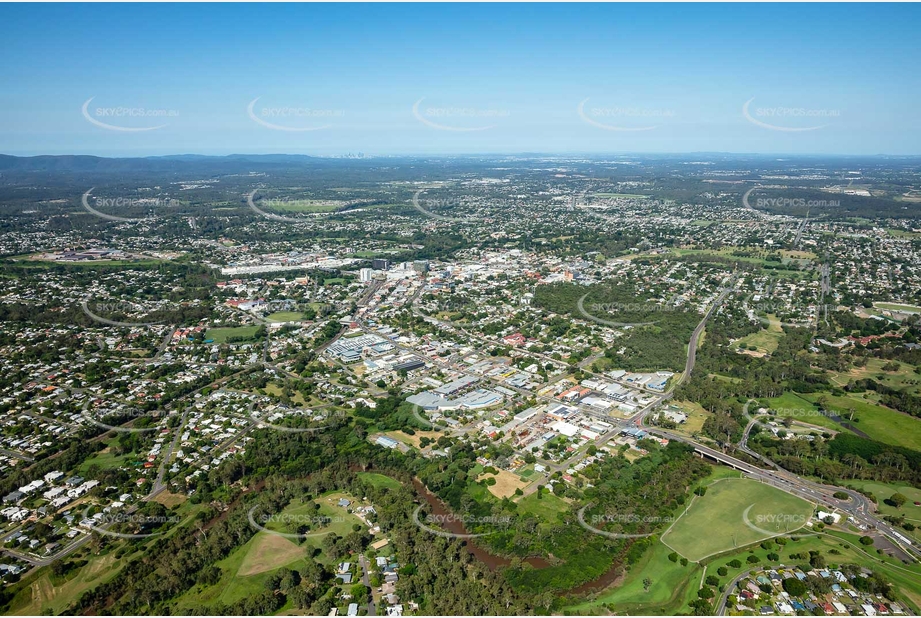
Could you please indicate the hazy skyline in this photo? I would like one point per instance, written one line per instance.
(417, 79)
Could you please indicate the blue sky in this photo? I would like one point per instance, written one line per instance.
(492, 78)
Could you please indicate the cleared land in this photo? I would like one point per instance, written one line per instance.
(506, 484)
(904, 378)
(269, 552)
(379, 480)
(878, 422)
(285, 316)
(672, 587)
(794, 405)
(548, 506)
(696, 416)
(765, 340)
(898, 307)
(44, 596)
(738, 512)
(221, 335)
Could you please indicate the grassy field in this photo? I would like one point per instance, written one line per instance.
(548, 507)
(310, 206)
(106, 459)
(904, 378)
(379, 480)
(765, 340)
(898, 307)
(43, 596)
(696, 417)
(731, 509)
(273, 388)
(792, 404)
(878, 422)
(414, 440)
(221, 335)
(246, 569)
(285, 316)
(672, 587)
(269, 552)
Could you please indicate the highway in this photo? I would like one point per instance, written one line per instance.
(857, 505)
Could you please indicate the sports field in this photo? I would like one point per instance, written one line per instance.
(285, 316)
(733, 513)
(221, 335)
(898, 307)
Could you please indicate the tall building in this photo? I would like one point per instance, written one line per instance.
(366, 274)
(421, 266)
(380, 264)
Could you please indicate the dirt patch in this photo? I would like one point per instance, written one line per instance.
(413, 441)
(169, 500)
(506, 484)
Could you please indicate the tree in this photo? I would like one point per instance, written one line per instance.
(359, 593)
(898, 500)
(673, 556)
(866, 540)
(794, 587)
(646, 584)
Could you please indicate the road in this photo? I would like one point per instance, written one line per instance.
(857, 505)
(16, 455)
(730, 588)
(640, 416)
(366, 580)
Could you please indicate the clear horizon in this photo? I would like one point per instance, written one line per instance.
(449, 80)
